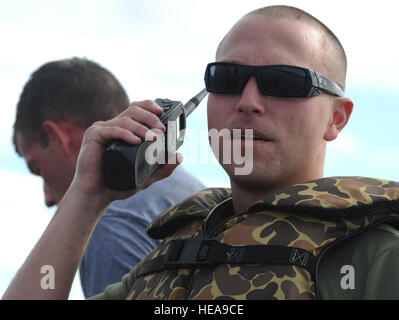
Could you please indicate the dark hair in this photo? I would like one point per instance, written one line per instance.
(76, 90)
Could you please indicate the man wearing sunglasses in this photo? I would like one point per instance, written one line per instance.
(283, 231)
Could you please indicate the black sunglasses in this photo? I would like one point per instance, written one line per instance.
(274, 80)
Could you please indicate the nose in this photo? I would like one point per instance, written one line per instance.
(48, 197)
(251, 97)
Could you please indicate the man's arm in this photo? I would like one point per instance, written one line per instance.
(65, 239)
(60, 247)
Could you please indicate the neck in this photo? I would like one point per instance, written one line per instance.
(247, 190)
(244, 195)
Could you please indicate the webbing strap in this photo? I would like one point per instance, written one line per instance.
(200, 253)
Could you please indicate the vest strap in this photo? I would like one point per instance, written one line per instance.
(196, 253)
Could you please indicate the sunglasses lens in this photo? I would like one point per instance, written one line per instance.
(224, 79)
(278, 81)
(283, 82)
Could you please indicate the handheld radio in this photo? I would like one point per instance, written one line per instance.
(127, 166)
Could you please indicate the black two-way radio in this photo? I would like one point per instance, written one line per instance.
(127, 166)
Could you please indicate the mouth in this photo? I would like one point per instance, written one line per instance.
(251, 137)
(248, 134)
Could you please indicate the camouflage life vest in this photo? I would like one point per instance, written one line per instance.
(270, 251)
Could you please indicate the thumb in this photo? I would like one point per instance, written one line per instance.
(165, 170)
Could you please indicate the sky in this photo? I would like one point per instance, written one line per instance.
(159, 49)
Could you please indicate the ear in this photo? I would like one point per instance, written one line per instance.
(58, 136)
(342, 111)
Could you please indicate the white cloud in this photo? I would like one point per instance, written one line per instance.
(22, 215)
(23, 219)
(347, 143)
(351, 154)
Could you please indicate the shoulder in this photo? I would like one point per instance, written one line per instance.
(371, 259)
(150, 202)
(122, 228)
(118, 290)
(180, 177)
(193, 208)
(121, 290)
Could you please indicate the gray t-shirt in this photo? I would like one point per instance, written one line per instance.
(120, 240)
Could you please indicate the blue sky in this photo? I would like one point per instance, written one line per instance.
(160, 49)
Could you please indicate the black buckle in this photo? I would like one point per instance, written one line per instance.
(188, 253)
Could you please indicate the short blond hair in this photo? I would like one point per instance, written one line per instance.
(334, 60)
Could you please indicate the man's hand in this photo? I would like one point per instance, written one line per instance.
(133, 125)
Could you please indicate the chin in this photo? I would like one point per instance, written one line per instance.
(258, 179)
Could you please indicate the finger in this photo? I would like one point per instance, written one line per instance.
(148, 105)
(133, 126)
(176, 158)
(165, 170)
(146, 117)
(104, 134)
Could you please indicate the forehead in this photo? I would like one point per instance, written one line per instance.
(259, 40)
